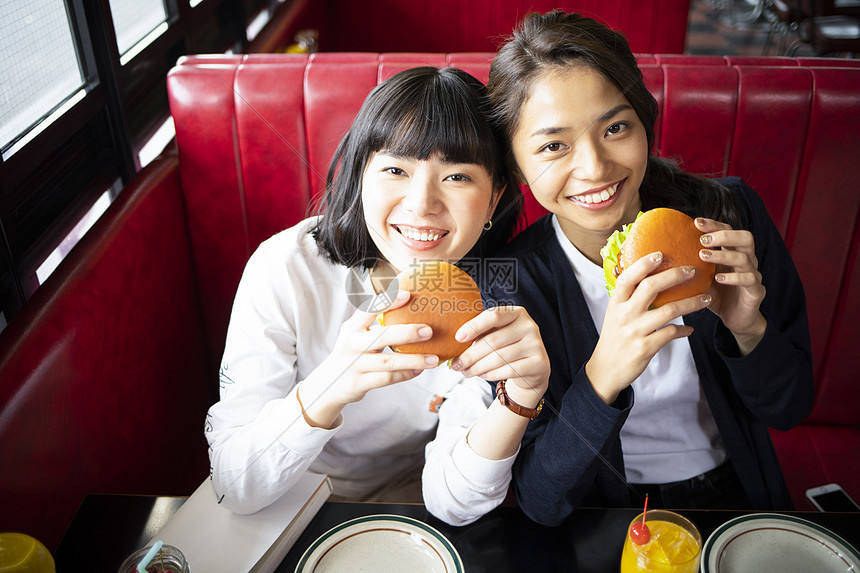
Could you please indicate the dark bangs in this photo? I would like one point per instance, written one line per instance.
(439, 118)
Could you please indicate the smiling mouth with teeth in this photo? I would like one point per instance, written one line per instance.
(596, 197)
(419, 235)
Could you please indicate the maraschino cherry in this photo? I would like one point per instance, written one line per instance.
(639, 532)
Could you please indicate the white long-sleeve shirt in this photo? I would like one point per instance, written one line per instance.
(289, 307)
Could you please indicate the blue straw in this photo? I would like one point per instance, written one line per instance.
(144, 563)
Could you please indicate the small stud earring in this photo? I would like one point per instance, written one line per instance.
(488, 225)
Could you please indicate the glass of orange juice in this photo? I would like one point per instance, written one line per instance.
(674, 546)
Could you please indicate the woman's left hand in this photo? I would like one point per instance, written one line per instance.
(737, 290)
(507, 346)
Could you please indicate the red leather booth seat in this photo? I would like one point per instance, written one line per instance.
(651, 26)
(106, 375)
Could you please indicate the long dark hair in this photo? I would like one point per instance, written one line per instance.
(557, 40)
(416, 113)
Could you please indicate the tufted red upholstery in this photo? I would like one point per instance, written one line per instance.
(113, 363)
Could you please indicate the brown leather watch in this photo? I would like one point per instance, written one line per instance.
(530, 413)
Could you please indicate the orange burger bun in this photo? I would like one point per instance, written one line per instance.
(674, 234)
(444, 297)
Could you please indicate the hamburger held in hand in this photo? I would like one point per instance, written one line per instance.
(444, 297)
(671, 232)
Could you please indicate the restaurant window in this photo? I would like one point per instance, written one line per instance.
(257, 24)
(81, 227)
(137, 23)
(39, 68)
(83, 107)
(157, 143)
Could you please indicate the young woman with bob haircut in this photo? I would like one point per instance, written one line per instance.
(308, 381)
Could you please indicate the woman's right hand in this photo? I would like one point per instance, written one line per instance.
(632, 334)
(357, 364)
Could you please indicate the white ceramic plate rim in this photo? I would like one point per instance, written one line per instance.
(429, 534)
(745, 522)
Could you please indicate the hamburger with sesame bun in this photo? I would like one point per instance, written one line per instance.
(669, 231)
(444, 297)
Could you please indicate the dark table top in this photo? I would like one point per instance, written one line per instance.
(504, 540)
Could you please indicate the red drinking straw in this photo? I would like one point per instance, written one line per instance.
(645, 511)
(639, 532)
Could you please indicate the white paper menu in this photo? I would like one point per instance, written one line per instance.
(214, 539)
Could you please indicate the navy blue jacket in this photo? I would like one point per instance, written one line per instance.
(571, 454)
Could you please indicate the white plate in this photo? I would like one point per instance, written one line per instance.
(767, 542)
(381, 544)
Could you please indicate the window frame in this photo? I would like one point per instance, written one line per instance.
(51, 181)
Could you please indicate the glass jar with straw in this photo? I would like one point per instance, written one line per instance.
(156, 558)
